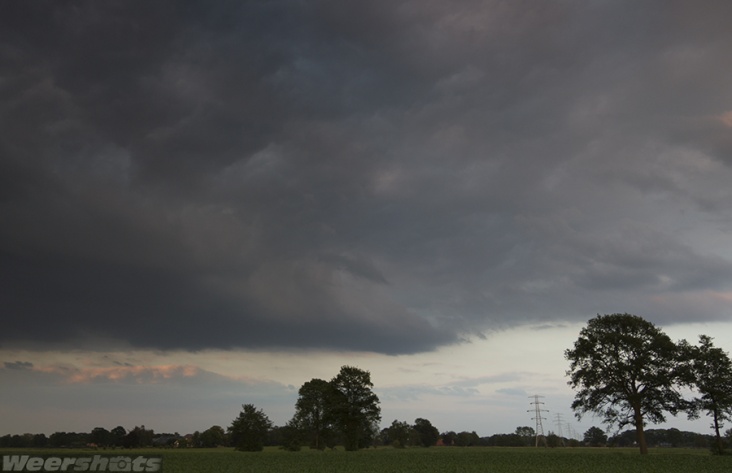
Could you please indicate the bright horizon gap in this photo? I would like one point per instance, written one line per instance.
(499, 396)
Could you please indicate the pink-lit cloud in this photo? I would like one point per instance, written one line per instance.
(123, 374)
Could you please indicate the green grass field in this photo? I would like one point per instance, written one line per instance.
(437, 460)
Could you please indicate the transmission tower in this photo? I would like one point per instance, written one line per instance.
(537, 416)
(558, 421)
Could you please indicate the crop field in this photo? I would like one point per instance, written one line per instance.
(438, 460)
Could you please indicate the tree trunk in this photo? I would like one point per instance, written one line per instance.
(716, 431)
(640, 435)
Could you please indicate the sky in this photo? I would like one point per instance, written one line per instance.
(207, 204)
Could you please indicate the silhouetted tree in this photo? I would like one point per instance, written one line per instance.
(248, 432)
(448, 438)
(101, 437)
(212, 437)
(428, 434)
(314, 415)
(138, 437)
(118, 435)
(553, 440)
(625, 369)
(290, 436)
(40, 441)
(527, 433)
(355, 407)
(709, 372)
(398, 434)
(595, 437)
(467, 439)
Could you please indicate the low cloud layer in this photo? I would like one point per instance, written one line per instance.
(64, 396)
(387, 176)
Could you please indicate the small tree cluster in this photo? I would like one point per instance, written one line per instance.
(400, 434)
(212, 437)
(343, 410)
(461, 439)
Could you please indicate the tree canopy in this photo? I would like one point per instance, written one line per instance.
(595, 437)
(355, 407)
(625, 369)
(314, 415)
(708, 370)
(400, 434)
(249, 430)
(428, 433)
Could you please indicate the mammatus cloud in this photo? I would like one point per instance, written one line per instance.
(389, 177)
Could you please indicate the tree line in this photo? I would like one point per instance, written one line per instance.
(99, 437)
(629, 372)
(216, 436)
(623, 368)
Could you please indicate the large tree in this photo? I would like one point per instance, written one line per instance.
(625, 369)
(249, 430)
(709, 372)
(355, 406)
(314, 413)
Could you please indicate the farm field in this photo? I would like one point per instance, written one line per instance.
(419, 460)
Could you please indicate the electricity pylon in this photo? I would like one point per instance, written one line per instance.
(537, 416)
(573, 432)
(558, 420)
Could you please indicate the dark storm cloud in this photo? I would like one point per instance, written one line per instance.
(387, 176)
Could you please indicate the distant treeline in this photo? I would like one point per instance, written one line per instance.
(216, 436)
(663, 438)
(657, 438)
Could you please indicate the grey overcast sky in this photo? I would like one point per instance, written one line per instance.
(386, 177)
